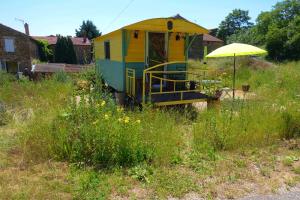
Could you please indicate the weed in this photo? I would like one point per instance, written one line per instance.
(291, 125)
(296, 169)
(4, 116)
(90, 185)
(173, 182)
(289, 160)
(61, 76)
(141, 173)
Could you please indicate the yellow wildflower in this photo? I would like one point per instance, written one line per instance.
(95, 122)
(120, 109)
(106, 116)
(103, 103)
(126, 120)
(138, 121)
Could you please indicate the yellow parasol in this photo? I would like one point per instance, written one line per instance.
(233, 50)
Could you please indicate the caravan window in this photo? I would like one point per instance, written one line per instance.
(107, 50)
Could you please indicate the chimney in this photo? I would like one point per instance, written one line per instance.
(84, 36)
(26, 26)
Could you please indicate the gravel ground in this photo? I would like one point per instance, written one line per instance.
(293, 194)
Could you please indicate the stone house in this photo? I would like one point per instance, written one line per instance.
(196, 50)
(82, 47)
(17, 50)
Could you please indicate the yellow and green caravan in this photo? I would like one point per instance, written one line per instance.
(147, 61)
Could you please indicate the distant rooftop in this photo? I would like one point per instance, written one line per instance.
(210, 38)
(53, 39)
(178, 17)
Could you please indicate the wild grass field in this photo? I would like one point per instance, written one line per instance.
(62, 140)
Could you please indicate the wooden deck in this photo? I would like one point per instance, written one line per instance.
(176, 98)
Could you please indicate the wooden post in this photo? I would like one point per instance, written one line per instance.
(234, 72)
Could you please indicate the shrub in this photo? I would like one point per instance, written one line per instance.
(98, 133)
(64, 50)
(45, 52)
(61, 76)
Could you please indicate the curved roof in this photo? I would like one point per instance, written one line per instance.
(160, 24)
(180, 24)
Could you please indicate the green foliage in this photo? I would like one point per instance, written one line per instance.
(4, 117)
(89, 79)
(296, 170)
(64, 50)
(45, 53)
(90, 185)
(101, 139)
(289, 160)
(176, 182)
(279, 30)
(236, 21)
(141, 173)
(245, 124)
(247, 36)
(293, 39)
(6, 78)
(87, 29)
(275, 43)
(91, 131)
(291, 125)
(165, 154)
(61, 76)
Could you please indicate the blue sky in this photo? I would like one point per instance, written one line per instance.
(64, 16)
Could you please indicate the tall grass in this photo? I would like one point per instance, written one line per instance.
(249, 124)
(274, 113)
(98, 133)
(91, 130)
(87, 127)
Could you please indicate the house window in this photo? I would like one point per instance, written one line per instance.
(107, 50)
(9, 45)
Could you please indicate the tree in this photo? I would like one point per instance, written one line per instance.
(236, 21)
(87, 29)
(45, 53)
(248, 36)
(64, 50)
(279, 30)
(293, 35)
(275, 43)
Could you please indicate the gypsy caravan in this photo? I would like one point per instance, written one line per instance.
(147, 62)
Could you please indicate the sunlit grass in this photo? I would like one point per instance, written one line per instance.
(156, 152)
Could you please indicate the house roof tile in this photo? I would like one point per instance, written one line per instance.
(78, 41)
(210, 38)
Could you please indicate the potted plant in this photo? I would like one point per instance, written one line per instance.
(246, 87)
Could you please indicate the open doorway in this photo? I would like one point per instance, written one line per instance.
(156, 53)
(12, 67)
(156, 48)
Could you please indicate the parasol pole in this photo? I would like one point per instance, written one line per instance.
(234, 71)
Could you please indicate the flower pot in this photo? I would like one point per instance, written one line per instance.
(246, 88)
